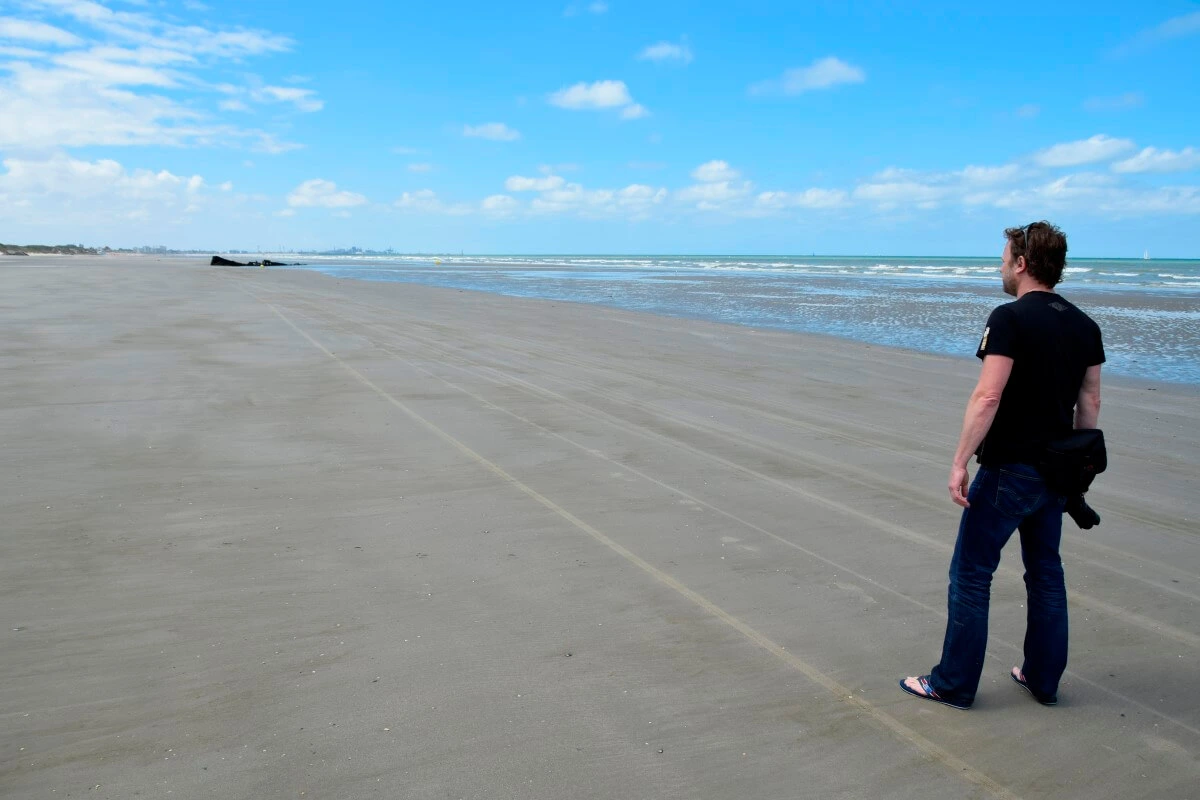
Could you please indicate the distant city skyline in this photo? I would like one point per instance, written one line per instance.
(896, 129)
(392, 251)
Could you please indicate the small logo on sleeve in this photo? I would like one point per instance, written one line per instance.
(983, 341)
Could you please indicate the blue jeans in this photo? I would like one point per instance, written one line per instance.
(1003, 499)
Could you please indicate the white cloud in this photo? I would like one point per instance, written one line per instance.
(1122, 102)
(556, 196)
(62, 174)
(317, 193)
(824, 73)
(1178, 27)
(1028, 111)
(141, 55)
(634, 202)
(23, 52)
(100, 71)
(715, 171)
(421, 200)
(971, 174)
(106, 89)
(303, 99)
(145, 29)
(498, 205)
(1151, 159)
(1183, 25)
(640, 191)
(667, 51)
(721, 190)
(56, 107)
(905, 188)
(597, 95)
(1173, 28)
(809, 198)
(518, 183)
(1056, 194)
(30, 31)
(267, 143)
(635, 111)
(715, 195)
(1084, 151)
(420, 167)
(1103, 196)
(66, 191)
(637, 200)
(890, 194)
(972, 185)
(426, 201)
(1015, 188)
(496, 131)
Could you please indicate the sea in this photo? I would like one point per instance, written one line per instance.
(1148, 309)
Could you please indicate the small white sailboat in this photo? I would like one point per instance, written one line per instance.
(1146, 256)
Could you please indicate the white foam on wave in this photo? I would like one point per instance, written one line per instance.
(1145, 313)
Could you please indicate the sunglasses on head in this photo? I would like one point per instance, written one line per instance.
(1025, 232)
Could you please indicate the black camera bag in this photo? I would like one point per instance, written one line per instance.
(1069, 464)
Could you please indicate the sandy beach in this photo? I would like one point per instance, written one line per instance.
(271, 534)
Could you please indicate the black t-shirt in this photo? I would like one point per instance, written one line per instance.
(1052, 343)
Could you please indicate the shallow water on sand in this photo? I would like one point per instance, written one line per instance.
(1148, 310)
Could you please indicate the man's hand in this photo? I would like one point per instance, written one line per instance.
(960, 481)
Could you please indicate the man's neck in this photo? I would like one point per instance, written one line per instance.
(1025, 287)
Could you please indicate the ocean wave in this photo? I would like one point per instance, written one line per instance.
(1083, 274)
(1145, 313)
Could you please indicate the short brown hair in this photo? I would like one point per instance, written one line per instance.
(1044, 247)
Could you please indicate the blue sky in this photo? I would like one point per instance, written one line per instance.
(575, 127)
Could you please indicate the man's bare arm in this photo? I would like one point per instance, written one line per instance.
(1087, 405)
(981, 412)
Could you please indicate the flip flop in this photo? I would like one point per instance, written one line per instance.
(1020, 681)
(927, 693)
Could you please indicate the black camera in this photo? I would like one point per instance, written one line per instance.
(1083, 514)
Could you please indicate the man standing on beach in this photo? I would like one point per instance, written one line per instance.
(1041, 376)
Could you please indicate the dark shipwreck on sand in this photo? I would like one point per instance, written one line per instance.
(217, 261)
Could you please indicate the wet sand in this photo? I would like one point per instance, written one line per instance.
(272, 534)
